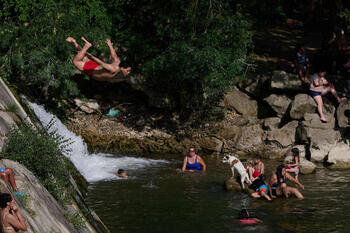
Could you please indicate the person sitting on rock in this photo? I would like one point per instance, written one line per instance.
(302, 63)
(319, 87)
(278, 186)
(294, 166)
(10, 216)
(8, 176)
(94, 67)
(122, 173)
(193, 162)
(257, 169)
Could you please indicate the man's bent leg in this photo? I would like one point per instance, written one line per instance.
(11, 178)
(79, 59)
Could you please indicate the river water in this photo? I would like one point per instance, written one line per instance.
(157, 199)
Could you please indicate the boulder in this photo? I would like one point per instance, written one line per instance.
(279, 103)
(284, 136)
(241, 103)
(322, 141)
(244, 138)
(41, 211)
(271, 123)
(285, 81)
(343, 113)
(232, 184)
(210, 144)
(302, 104)
(255, 84)
(305, 166)
(6, 123)
(339, 156)
(312, 120)
(88, 107)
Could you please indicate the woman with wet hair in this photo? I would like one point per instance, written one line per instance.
(278, 184)
(10, 217)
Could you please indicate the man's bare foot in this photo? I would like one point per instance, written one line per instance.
(87, 43)
(324, 120)
(126, 71)
(341, 99)
(71, 40)
(109, 42)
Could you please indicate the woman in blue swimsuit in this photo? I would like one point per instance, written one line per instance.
(193, 162)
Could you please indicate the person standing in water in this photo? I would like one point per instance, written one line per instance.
(10, 216)
(96, 68)
(193, 162)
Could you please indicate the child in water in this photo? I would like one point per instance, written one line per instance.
(245, 218)
(122, 173)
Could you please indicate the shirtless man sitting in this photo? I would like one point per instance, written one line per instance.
(96, 68)
(257, 169)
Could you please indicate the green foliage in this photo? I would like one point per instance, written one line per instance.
(12, 108)
(190, 50)
(41, 153)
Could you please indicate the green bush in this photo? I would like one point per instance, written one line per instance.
(41, 153)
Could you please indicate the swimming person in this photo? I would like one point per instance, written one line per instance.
(96, 68)
(245, 218)
(122, 173)
(8, 176)
(10, 216)
(294, 166)
(193, 162)
(278, 186)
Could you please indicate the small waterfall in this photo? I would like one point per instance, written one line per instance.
(94, 167)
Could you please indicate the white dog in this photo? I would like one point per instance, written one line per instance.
(235, 163)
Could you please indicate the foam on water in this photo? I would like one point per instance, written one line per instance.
(94, 167)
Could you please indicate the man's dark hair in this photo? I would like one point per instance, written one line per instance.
(295, 151)
(4, 199)
(257, 157)
(120, 171)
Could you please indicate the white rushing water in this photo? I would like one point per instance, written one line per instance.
(94, 167)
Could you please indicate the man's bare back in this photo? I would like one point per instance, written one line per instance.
(96, 68)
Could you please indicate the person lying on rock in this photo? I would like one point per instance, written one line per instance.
(8, 176)
(319, 87)
(257, 169)
(96, 68)
(10, 216)
(193, 162)
(262, 190)
(278, 184)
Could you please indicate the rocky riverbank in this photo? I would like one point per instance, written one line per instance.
(266, 114)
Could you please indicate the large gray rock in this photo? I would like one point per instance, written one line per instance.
(271, 123)
(322, 141)
(312, 120)
(6, 123)
(88, 107)
(279, 103)
(305, 166)
(284, 136)
(285, 81)
(255, 84)
(343, 108)
(243, 138)
(302, 104)
(339, 156)
(41, 212)
(210, 144)
(241, 102)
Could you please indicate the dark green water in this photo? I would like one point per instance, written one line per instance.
(159, 200)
